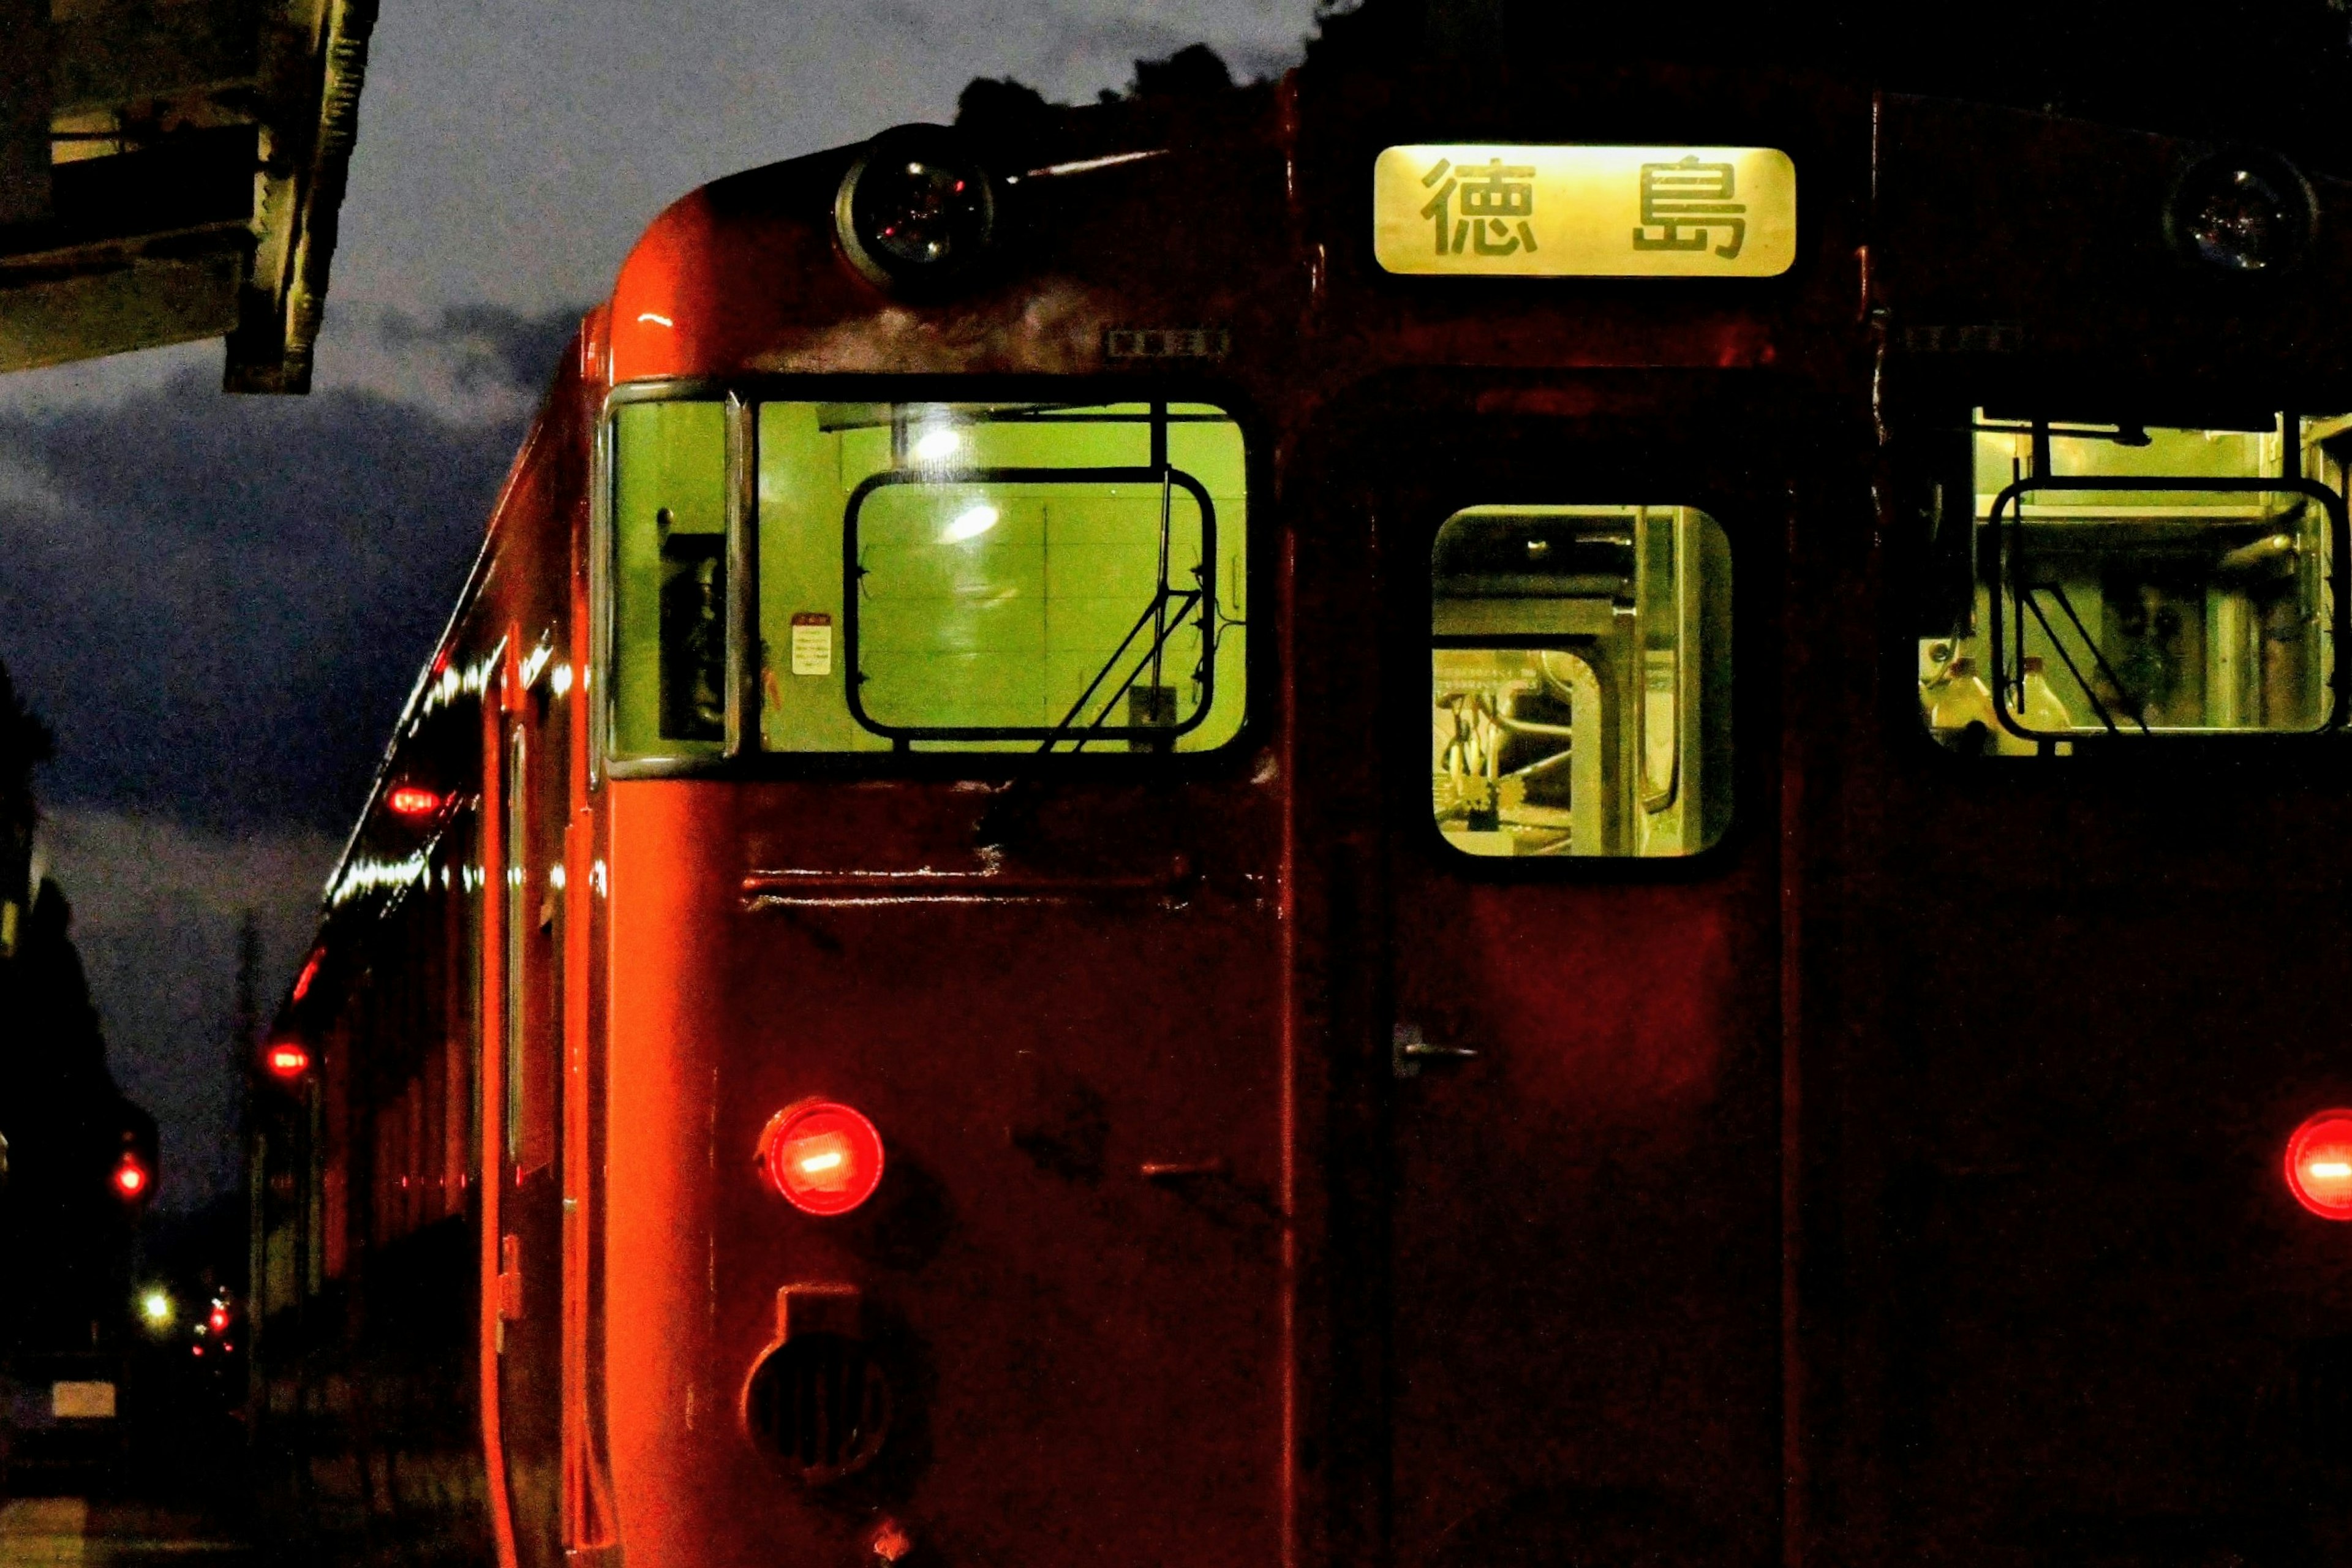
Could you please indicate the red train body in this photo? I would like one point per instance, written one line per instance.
(1791, 1140)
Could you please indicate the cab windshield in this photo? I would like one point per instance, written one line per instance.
(2134, 581)
(926, 577)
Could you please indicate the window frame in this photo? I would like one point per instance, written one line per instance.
(1713, 504)
(1997, 541)
(903, 737)
(1378, 456)
(741, 756)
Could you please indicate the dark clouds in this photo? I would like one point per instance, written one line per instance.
(220, 603)
(513, 152)
(493, 346)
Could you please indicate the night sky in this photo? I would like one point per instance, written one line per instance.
(218, 604)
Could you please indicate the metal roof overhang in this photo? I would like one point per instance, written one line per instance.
(172, 170)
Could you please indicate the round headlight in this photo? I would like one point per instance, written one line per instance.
(2248, 214)
(917, 211)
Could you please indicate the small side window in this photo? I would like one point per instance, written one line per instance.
(2134, 582)
(670, 580)
(1580, 681)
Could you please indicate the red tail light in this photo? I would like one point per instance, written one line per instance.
(413, 800)
(2319, 1164)
(823, 1156)
(131, 1178)
(287, 1060)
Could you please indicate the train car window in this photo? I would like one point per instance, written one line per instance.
(1580, 681)
(1001, 576)
(670, 580)
(2138, 581)
(516, 1031)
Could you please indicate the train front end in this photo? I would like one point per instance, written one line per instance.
(948, 1178)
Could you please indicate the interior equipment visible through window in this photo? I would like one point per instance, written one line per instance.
(1580, 681)
(670, 580)
(2132, 581)
(967, 576)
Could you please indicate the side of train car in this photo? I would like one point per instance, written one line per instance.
(1370, 822)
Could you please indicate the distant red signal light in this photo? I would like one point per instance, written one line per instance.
(822, 1156)
(288, 1060)
(218, 1319)
(131, 1177)
(2319, 1164)
(413, 800)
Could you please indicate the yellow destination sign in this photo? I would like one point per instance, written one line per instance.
(1585, 212)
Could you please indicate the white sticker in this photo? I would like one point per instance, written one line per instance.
(811, 643)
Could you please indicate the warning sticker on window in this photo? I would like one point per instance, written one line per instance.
(811, 643)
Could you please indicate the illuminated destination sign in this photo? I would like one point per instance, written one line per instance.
(1585, 212)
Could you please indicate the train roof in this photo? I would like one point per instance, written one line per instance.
(2020, 244)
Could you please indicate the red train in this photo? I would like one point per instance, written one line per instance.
(1346, 823)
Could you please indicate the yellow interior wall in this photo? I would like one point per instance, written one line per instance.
(668, 456)
(1003, 628)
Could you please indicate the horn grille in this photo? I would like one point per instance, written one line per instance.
(821, 1405)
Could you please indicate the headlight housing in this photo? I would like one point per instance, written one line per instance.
(917, 212)
(2241, 212)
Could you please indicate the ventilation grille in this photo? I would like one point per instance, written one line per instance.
(820, 1404)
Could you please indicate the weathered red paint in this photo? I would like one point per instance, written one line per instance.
(1898, 1182)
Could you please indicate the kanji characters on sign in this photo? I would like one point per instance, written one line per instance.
(1495, 215)
(1687, 203)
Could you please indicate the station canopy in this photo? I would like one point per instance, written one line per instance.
(171, 170)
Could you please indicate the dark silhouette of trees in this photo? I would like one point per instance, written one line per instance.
(2277, 72)
(2274, 73)
(65, 1226)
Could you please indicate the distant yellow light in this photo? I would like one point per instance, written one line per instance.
(155, 1306)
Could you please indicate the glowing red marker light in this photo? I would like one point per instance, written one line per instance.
(218, 1319)
(130, 1177)
(310, 972)
(413, 800)
(824, 1157)
(288, 1060)
(2319, 1164)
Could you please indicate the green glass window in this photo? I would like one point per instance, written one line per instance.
(670, 580)
(1001, 576)
(1580, 681)
(2134, 582)
(929, 577)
